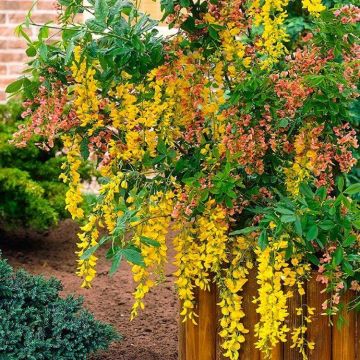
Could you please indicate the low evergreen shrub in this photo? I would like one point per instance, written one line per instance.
(36, 323)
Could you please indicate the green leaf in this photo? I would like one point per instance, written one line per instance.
(213, 33)
(284, 211)
(95, 25)
(327, 225)
(321, 192)
(289, 251)
(306, 191)
(350, 240)
(353, 189)
(43, 51)
(245, 231)
(338, 255)
(284, 123)
(101, 10)
(87, 253)
(31, 51)
(298, 227)
(313, 259)
(43, 32)
(263, 240)
(14, 86)
(288, 218)
(340, 183)
(84, 148)
(69, 52)
(116, 261)
(134, 256)
(148, 241)
(347, 267)
(312, 233)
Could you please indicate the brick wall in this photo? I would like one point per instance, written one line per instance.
(12, 48)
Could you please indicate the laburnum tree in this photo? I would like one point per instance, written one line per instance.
(228, 132)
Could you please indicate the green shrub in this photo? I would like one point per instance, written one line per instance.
(30, 190)
(22, 201)
(35, 323)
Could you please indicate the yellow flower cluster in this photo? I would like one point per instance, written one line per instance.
(273, 274)
(104, 212)
(298, 334)
(88, 239)
(200, 251)
(313, 6)
(271, 15)
(155, 226)
(235, 276)
(233, 48)
(137, 119)
(86, 101)
(303, 163)
(71, 176)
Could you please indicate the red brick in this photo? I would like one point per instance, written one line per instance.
(15, 5)
(43, 18)
(12, 57)
(2, 18)
(46, 5)
(2, 69)
(14, 44)
(16, 18)
(7, 31)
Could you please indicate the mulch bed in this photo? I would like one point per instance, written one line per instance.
(151, 336)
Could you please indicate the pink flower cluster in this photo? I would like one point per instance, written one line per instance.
(49, 117)
(348, 14)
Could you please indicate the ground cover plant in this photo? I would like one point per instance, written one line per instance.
(36, 323)
(226, 132)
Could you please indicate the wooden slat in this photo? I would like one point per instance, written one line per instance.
(292, 321)
(207, 324)
(344, 339)
(192, 341)
(319, 330)
(248, 351)
(202, 342)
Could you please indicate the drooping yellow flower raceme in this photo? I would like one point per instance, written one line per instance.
(154, 226)
(298, 334)
(235, 276)
(303, 164)
(88, 239)
(86, 100)
(273, 273)
(201, 252)
(271, 14)
(71, 176)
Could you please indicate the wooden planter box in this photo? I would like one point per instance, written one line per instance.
(202, 342)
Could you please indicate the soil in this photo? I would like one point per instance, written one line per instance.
(151, 336)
